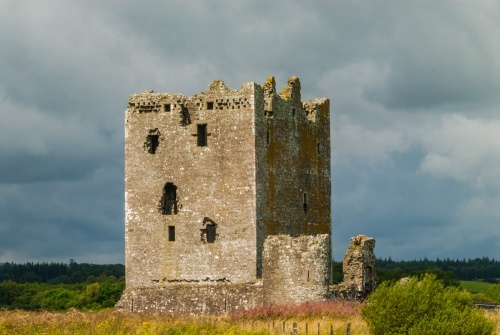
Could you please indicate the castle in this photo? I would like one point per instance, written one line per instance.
(227, 199)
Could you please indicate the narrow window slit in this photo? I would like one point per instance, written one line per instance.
(171, 233)
(304, 202)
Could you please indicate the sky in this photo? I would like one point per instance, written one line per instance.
(415, 112)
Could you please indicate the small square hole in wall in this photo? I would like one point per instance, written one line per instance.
(171, 233)
(210, 105)
(167, 107)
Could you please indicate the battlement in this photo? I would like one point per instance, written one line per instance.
(220, 97)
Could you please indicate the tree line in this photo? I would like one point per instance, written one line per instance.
(485, 269)
(57, 273)
(60, 286)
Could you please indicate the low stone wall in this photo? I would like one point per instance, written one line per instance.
(192, 299)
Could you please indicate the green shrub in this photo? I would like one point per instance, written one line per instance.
(494, 292)
(423, 307)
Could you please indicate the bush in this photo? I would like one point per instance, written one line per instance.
(494, 292)
(423, 307)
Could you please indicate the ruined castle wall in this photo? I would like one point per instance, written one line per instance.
(195, 299)
(296, 270)
(293, 173)
(214, 186)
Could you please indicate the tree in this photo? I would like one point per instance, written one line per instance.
(423, 307)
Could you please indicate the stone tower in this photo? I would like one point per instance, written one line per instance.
(208, 179)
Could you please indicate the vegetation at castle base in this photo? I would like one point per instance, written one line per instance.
(335, 309)
(110, 322)
(423, 306)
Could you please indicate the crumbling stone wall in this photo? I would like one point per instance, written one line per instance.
(359, 269)
(296, 270)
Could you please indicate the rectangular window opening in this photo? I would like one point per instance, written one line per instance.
(211, 233)
(210, 105)
(202, 135)
(152, 141)
(171, 233)
(317, 147)
(167, 108)
(169, 199)
(267, 137)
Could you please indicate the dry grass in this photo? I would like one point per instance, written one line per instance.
(494, 315)
(110, 322)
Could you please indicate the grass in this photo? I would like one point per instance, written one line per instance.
(260, 321)
(475, 286)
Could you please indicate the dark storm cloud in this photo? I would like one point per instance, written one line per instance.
(414, 98)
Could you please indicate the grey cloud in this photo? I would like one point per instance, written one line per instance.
(399, 76)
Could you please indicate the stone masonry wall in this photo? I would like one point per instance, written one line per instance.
(194, 299)
(293, 169)
(214, 185)
(296, 270)
(224, 188)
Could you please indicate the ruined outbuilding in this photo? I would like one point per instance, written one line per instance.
(359, 269)
(227, 199)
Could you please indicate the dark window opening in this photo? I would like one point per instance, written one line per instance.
(304, 202)
(152, 141)
(167, 108)
(202, 135)
(169, 199)
(267, 138)
(185, 116)
(210, 105)
(171, 233)
(317, 147)
(211, 233)
(293, 112)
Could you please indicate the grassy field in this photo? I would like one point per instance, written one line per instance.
(475, 286)
(110, 322)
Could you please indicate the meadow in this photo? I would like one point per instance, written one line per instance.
(330, 317)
